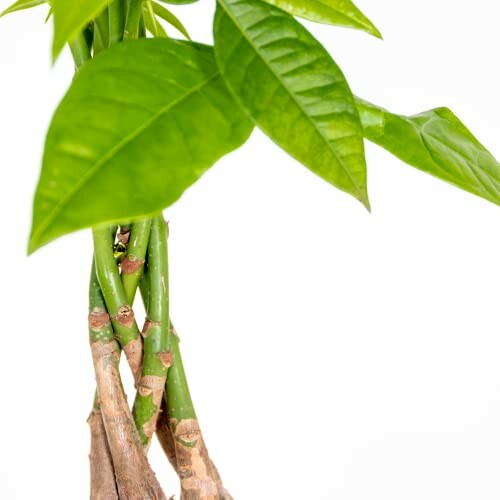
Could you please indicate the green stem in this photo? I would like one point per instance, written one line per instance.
(116, 14)
(98, 306)
(80, 50)
(137, 247)
(133, 262)
(156, 360)
(150, 21)
(179, 402)
(158, 306)
(178, 428)
(122, 315)
(142, 28)
(101, 32)
(133, 20)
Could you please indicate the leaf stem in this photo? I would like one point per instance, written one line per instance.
(101, 31)
(116, 15)
(156, 360)
(133, 20)
(80, 50)
(122, 314)
(179, 402)
(133, 262)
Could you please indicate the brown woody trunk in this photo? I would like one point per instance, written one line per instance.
(134, 477)
(102, 473)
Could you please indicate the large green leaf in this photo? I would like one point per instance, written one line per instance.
(72, 17)
(21, 5)
(438, 143)
(336, 12)
(140, 123)
(292, 89)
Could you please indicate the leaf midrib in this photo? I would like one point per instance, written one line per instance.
(115, 149)
(278, 77)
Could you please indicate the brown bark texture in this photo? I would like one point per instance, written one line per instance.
(134, 477)
(165, 437)
(199, 477)
(102, 473)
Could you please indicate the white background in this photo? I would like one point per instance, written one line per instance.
(331, 354)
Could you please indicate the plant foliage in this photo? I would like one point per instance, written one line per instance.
(127, 140)
(292, 89)
(143, 121)
(438, 143)
(337, 12)
(21, 5)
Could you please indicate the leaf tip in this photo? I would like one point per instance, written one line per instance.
(367, 26)
(58, 44)
(8, 10)
(365, 201)
(36, 240)
(55, 53)
(32, 246)
(374, 31)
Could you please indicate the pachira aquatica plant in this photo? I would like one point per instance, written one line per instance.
(145, 116)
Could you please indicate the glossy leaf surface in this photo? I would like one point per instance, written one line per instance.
(292, 89)
(438, 143)
(72, 17)
(140, 123)
(337, 12)
(21, 5)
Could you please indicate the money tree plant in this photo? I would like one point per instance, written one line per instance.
(145, 116)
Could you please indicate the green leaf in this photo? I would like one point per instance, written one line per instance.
(179, 2)
(166, 15)
(293, 90)
(49, 15)
(438, 143)
(337, 12)
(70, 19)
(21, 5)
(150, 21)
(140, 123)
